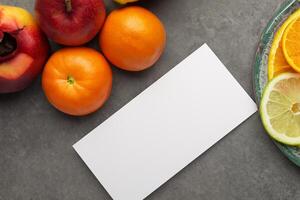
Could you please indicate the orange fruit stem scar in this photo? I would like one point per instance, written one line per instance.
(70, 80)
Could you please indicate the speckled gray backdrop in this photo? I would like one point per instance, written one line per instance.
(37, 161)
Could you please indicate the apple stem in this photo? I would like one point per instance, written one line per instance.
(68, 5)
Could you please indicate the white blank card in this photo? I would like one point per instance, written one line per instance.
(166, 127)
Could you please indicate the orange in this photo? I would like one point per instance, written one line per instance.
(291, 44)
(77, 81)
(132, 38)
(277, 63)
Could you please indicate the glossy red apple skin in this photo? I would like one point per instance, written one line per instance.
(73, 28)
(19, 68)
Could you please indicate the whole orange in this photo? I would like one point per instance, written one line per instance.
(132, 38)
(77, 81)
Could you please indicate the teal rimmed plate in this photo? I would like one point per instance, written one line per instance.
(260, 75)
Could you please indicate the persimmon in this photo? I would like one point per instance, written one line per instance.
(77, 81)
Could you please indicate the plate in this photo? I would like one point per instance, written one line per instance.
(261, 65)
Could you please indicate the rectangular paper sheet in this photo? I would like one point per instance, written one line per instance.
(166, 127)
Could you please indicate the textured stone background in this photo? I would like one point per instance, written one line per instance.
(37, 161)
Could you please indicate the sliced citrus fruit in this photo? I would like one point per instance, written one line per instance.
(291, 44)
(125, 1)
(277, 63)
(280, 108)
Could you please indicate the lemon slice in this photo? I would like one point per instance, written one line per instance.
(280, 108)
(277, 63)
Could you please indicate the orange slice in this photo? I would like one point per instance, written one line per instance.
(291, 44)
(277, 63)
(125, 1)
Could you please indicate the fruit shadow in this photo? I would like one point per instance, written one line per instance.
(8, 97)
(16, 96)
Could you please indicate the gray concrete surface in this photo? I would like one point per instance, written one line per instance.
(37, 161)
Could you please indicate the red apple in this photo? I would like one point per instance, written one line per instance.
(70, 22)
(23, 49)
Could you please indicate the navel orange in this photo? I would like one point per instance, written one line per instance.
(132, 38)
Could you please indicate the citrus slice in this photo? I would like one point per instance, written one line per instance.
(291, 44)
(125, 1)
(277, 63)
(280, 108)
